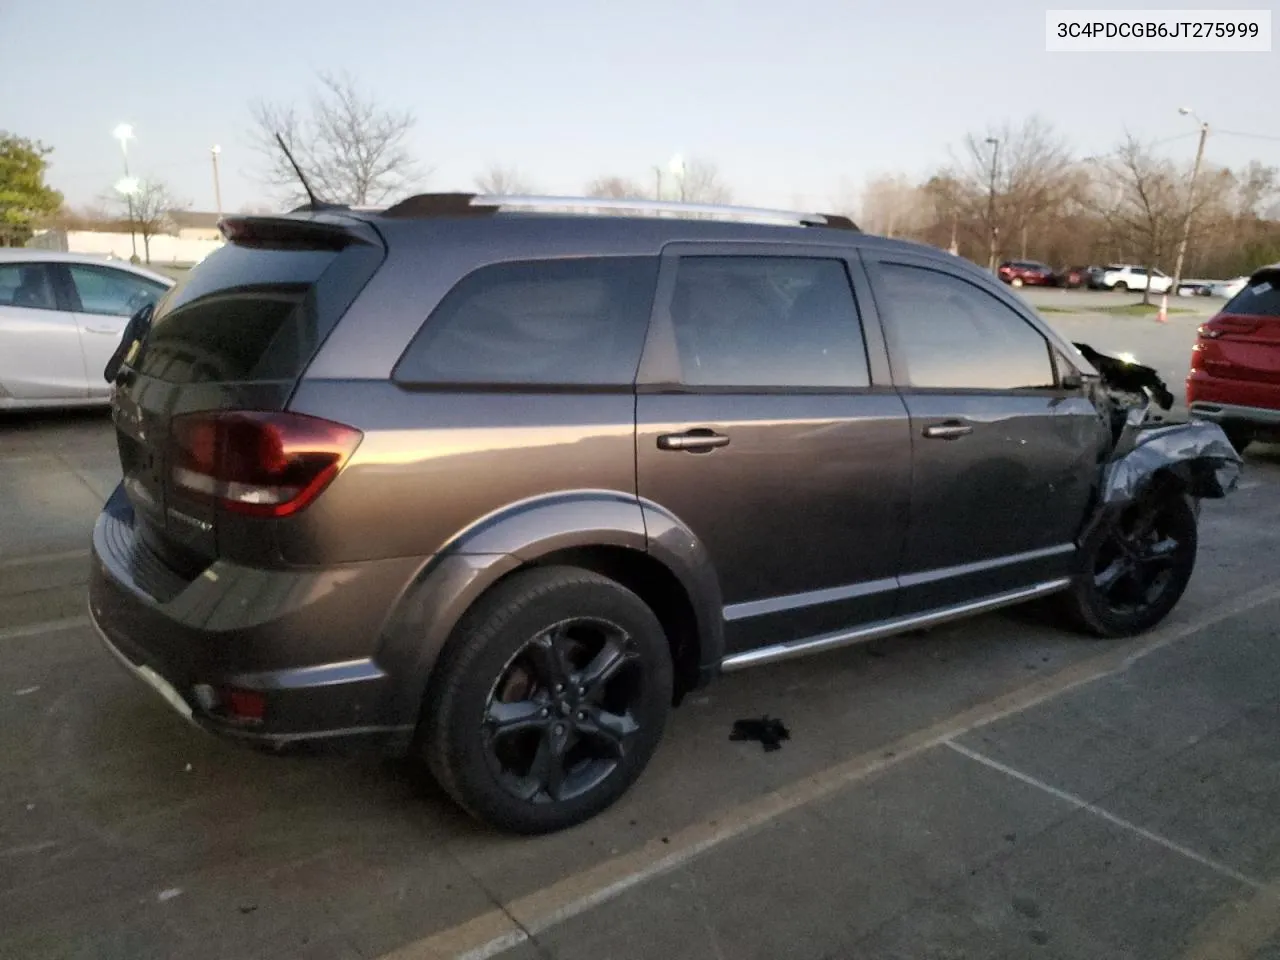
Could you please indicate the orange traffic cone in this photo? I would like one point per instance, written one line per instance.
(1162, 315)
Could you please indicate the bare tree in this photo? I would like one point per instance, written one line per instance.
(352, 149)
(146, 211)
(1141, 199)
(701, 183)
(504, 182)
(1013, 178)
(616, 188)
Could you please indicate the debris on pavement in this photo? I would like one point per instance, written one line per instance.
(25, 691)
(769, 731)
(169, 894)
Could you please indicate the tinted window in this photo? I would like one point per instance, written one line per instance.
(767, 322)
(1260, 300)
(241, 314)
(27, 285)
(114, 292)
(951, 334)
(554, 322)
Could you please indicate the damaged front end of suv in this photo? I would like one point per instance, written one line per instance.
(1142, 529)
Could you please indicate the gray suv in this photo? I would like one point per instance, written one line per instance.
(501, 486)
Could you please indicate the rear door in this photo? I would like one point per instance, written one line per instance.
(103, 299)
(766, 424)
(235, 334)
(40, 357)
(1004, 452)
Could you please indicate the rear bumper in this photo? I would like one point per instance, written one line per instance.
(1251, 402)
(303, 640)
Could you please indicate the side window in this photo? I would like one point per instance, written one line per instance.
(1139, 271)
(112, 292)
(556, 322)
(950, 334)
(755, 322)
(27, 285)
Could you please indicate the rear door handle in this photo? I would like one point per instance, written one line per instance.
(947, 431)
(693, 441)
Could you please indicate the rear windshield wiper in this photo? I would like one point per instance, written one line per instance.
(135, 332)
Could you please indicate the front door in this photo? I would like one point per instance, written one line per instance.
(1005, 452)
(766, 426)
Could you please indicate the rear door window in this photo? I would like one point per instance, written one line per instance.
(570, 322)
(28, 285)
(767, 322)
(243, 315)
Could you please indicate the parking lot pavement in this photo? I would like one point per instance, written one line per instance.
(995, 788)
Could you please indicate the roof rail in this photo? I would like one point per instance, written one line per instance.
(463, 204)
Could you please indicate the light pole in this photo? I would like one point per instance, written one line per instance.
(128, 186)
(1191, 198)
(217, 187)
(991, 202)
(677, 171)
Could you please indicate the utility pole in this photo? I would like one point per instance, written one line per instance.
(1191, 201)
(991, 203)
(217, 187)
(657, 185)
(124, 133)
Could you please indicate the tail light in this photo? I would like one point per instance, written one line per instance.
(1228, 324)
(258, 463)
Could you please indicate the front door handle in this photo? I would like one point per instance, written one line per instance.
(693, 441)
(951, 430)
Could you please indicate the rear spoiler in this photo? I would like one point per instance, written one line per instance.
(295, 233)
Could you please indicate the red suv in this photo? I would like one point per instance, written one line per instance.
(1029, 272)
(1235, 364)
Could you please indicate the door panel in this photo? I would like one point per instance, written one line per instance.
(40, 355)
(1004, 459)
(759, 427)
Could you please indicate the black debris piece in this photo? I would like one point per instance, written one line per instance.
(769, 731)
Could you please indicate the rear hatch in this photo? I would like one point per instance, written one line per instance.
(1242, 342)
(201, 393)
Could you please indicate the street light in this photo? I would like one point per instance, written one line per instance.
(677, 170)
(217, 187)
(991, 202)
(1191, 198)
(124, 133)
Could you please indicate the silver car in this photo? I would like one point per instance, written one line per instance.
(61, 318)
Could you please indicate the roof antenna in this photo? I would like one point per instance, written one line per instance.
(316, 203)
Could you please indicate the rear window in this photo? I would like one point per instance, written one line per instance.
(567, 322)
(249, 314)
(1261, 299)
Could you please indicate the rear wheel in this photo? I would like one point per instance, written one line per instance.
(1121, 287)
(1016, 282)
(549, 701)
(1135, 569)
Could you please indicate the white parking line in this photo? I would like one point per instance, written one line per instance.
(39, 558)
(46, 626)
(1082, 804)
(511, 924)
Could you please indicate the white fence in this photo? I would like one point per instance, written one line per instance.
(165, 250)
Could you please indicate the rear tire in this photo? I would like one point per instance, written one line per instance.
(1121, 287)
(1016, 282)
(549, 700)
(1134, 570)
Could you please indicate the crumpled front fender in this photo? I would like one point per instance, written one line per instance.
(1197, 454)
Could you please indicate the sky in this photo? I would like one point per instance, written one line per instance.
(798, 103)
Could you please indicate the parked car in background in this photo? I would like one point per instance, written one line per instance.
(1017, 273)
(1122, 277)
(1194, 287)
(61, 317)
(1227, 289)
(1073, 278)
(1235, 363)
(505, 507)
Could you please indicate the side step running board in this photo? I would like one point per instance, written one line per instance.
(886, 628)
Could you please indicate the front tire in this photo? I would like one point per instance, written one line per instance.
(1016, 282)
(549, 700)
(1135, 568)
(1121, 287)
(1240, 437)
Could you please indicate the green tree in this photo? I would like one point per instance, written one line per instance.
(24, 197)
